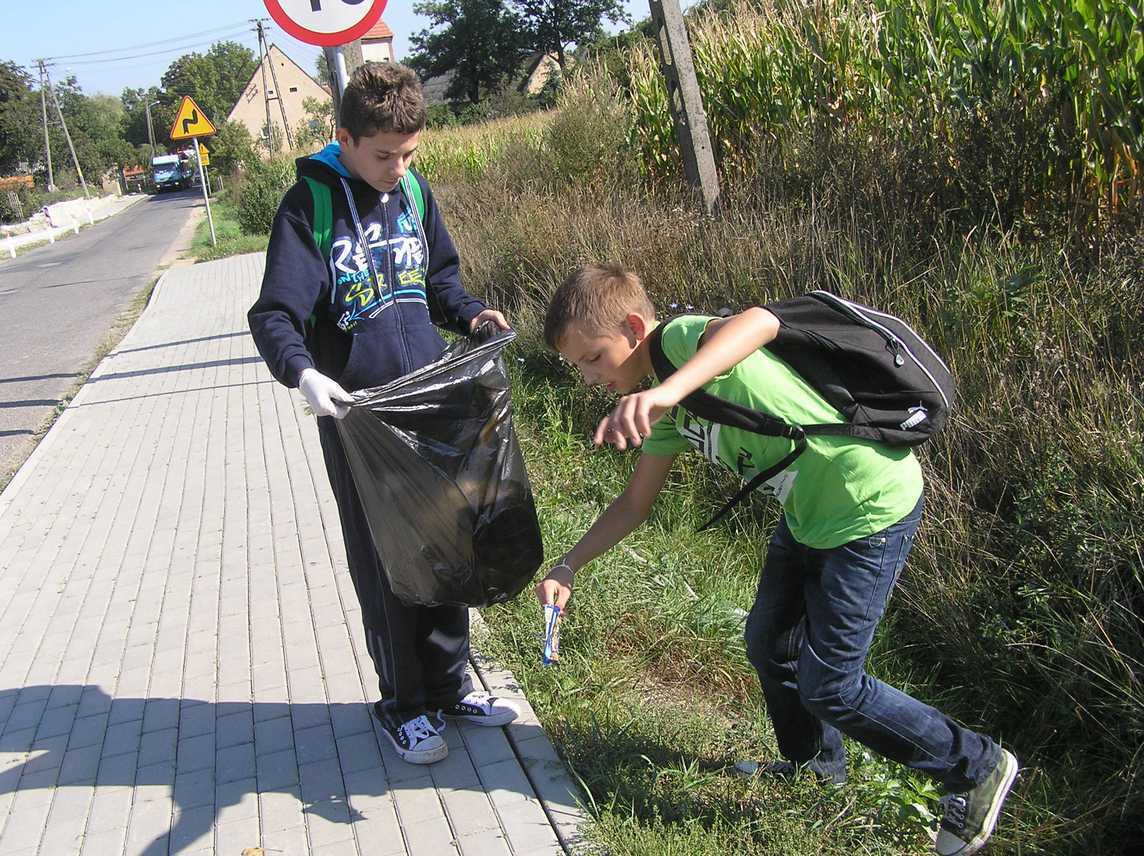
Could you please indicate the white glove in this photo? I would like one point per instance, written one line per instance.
(323, 394)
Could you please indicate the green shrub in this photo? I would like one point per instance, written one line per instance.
(261, 193)
(586, 139)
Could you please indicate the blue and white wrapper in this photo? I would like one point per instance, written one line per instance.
(551, 651)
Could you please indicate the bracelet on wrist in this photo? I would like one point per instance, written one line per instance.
(565, 565)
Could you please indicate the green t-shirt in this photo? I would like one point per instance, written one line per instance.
(839, 489)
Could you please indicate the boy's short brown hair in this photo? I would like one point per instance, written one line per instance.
(598, 297)
(382, 96)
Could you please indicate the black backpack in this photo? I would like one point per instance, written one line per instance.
(870, 366)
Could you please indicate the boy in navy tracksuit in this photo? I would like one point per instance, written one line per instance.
(331, 318)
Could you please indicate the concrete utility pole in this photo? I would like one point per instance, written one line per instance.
(64, 123)
(44, 113)
(685, 102)
(277, 91)
(265, 89)
(147, 105)
(264, 50)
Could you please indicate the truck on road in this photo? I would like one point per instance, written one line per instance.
(170, 172)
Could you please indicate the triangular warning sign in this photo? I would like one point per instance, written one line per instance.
(190, 121)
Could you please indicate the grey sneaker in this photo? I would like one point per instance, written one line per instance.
(417, 741)
(483, 709)
(969, 818)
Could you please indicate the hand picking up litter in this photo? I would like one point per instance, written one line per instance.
(556, 588)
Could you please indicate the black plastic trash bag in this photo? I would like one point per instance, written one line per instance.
(439, 472)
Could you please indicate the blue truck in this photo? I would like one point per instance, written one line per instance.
(170, 172)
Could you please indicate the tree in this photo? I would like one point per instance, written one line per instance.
(135, 103)
(232, 147)
(317, 128)
(323, 76)
(96, 127)
(479, 41)
(214, 80)
(553, 25)
(20, 137)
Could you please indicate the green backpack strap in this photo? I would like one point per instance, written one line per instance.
(323, 224)
(412, 188)
(323, 227)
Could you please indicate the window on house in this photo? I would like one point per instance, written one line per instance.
(293, 88)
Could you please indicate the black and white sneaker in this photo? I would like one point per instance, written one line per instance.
(417, 741)
(483, 709)
(969, 818)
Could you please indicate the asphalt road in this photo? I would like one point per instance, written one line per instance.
(58, 302)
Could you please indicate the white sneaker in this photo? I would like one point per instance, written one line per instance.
(417, 741)
(482, 709)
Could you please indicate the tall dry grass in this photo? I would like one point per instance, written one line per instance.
(1021, 612)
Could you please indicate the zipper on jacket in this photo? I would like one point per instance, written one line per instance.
(363, 242)
(390, 277)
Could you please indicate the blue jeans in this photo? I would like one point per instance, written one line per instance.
(808, 636)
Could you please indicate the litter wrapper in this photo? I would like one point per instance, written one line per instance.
(440, 476)
(551, 652)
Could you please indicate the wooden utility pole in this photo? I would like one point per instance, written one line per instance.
(44, 113)
(685, 102)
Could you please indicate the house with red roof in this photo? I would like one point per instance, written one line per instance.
(377, 43)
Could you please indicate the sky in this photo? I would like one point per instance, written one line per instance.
(111, 45)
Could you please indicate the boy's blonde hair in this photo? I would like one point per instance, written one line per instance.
(599, 298)
(382, 96)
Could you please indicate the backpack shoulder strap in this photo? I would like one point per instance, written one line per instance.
(416, 195)
(715, 409)
(323, 224)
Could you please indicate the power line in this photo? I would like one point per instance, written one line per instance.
(213, 41)
(307, 49)
(182, 38)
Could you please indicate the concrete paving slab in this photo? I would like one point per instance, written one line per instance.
(182, 667)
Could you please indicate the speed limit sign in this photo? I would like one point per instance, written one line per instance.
(325, 22)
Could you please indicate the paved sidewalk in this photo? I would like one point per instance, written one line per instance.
(182, 668)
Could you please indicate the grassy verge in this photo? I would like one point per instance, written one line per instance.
(653, 700)
(1019, 612)
(231, 240)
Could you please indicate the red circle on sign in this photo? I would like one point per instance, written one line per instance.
(326, 40)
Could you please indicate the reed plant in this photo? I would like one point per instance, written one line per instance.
(995, 108)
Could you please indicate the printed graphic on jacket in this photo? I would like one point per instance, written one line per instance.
(355, 295)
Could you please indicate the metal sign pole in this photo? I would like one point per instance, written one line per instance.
(203, 185)
(343, 73)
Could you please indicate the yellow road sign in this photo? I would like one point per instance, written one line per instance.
(204, 155)
(190, 121)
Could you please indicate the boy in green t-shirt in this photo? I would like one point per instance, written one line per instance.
(850, 511)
